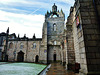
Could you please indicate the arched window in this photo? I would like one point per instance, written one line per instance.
(21, 46)
(54, 16)
(34, 45)
(36, 58)
(54, 27)
(55, 42)
(11, 45)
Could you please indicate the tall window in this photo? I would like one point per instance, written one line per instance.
(55, 42)
(34, 45)
(21, 46)
(11, 45)
(54, 27)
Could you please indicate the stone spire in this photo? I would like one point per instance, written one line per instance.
(34, 36)
(24, 35)
(54, 8)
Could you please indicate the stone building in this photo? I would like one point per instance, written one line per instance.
(51, 47)
(24, 49)
(3, 45)
(79, 43)
(2, 39)
(85, 22)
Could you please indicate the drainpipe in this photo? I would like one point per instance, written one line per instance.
(98, 19)
(27, 49)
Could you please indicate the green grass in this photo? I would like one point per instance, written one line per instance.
(21, 69)
(3, 62)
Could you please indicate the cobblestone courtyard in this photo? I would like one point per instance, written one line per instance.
(58, 69)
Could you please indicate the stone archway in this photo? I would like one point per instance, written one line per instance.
(54, 57)
(37, 59)
(20, 56)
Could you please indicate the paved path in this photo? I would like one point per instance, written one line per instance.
(58, 69)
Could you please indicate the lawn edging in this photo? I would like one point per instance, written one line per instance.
(43, 72)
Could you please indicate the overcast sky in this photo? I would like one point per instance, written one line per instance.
(27, 16)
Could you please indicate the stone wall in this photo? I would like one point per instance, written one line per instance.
(70, 43)
(43, 47)
(54, 50)
(91, 36)
(76, 43)
(86, 32)
(33, 52)
(27, 48)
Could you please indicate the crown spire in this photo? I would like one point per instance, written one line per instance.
(54, 8)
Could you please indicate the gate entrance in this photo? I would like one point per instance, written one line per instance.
(36, 58)
(54, 57)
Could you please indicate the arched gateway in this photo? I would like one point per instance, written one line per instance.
(20, 56)
(37, 59)
(54, 57)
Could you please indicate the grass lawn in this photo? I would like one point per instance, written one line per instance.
(2, 62)
(21, 69)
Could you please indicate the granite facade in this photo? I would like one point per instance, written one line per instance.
(86, 33)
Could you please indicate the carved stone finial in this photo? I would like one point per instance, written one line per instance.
(34, 36)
